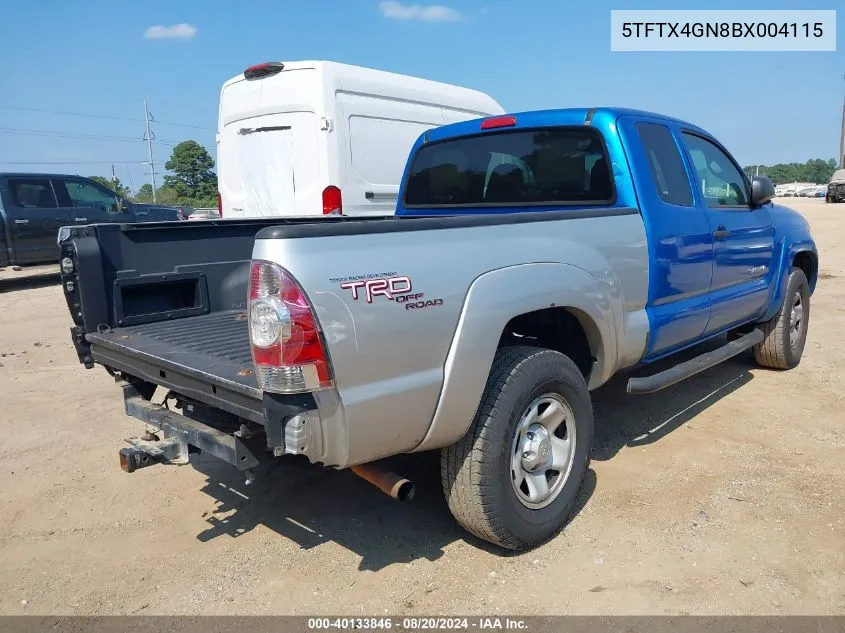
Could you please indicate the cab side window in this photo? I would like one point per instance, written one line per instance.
(722, 183)
(86, 195)
(667, 168)
(32, 193)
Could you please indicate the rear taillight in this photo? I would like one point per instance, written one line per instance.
(332, 201)
(287, 347)
(219, 204)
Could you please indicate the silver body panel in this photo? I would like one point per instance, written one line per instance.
(411, 378)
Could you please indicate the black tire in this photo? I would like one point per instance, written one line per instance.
(476, 470)
(776, 351)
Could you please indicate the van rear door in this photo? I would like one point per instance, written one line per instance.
(270, 165)
(269, 142)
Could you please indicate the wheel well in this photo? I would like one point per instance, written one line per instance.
(806, 261)
(559, 329)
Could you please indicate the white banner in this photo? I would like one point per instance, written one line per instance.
(752, 30)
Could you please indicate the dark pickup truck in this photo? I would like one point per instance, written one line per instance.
(33, 207)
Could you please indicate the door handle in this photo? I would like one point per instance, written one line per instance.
(21, 221)
(372, 195)
(721, 233)
(80, 219)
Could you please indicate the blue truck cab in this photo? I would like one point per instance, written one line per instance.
(720, 251)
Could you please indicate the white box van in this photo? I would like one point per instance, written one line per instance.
(317, 137)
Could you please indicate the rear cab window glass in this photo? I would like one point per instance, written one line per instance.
(667, 167)
(538, 166)
(32, 193)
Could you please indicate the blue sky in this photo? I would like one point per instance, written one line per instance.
(92, 57)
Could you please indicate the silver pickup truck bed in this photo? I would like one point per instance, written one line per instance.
(205, 357)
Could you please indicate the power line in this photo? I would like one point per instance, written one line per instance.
(101, 116)
(78, 135)
(79, 114)
(72, 162)
(55, 133)
(129, 173)
(187, 125)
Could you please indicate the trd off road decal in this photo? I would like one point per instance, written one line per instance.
(390, 286)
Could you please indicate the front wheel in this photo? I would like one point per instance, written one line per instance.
(786, 333)
(514, 478)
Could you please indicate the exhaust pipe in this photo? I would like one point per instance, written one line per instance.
(388, 482)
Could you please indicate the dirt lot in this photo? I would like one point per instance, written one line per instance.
(723, 495)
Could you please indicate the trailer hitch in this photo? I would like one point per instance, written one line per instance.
(143, 453)
(178, 436)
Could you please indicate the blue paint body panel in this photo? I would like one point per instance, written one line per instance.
(701, 282)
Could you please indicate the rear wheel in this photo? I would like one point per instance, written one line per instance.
(514, 478)
(786, 333)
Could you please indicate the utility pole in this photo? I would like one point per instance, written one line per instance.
(842, 137)
(149, 136)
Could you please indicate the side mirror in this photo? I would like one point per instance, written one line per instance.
(762, 191)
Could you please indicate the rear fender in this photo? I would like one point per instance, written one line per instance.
(493, 300)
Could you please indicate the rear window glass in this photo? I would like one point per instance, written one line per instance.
(561, 165)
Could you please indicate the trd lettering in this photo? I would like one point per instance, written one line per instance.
(388, 288)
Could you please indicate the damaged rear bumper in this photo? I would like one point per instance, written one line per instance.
(173, 436)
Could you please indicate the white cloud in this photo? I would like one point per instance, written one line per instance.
(423, 12)
(174, 32)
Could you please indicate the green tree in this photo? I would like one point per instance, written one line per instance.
(145, 193)
(193, 176)
(170, 195)
(816, 170)
(113, 184)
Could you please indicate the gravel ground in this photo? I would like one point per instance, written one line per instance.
(722, 495)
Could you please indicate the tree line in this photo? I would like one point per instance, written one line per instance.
(816, 171)
(192, 181)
